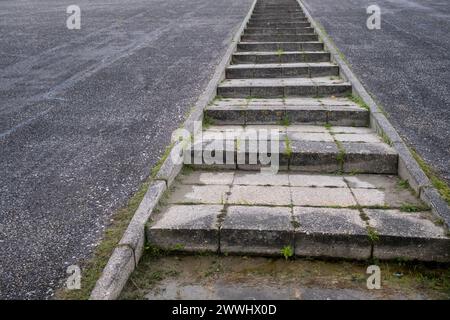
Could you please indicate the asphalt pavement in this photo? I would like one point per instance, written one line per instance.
(85, 114)
(405, 65)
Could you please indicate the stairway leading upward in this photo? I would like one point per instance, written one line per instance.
(336, 193)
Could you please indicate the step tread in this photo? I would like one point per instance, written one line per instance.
(325, 101)
(272, 42)
(281, 82)
(281, 65)
(267, 53)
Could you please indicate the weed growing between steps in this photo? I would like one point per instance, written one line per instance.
(356, 99)
(207, 276)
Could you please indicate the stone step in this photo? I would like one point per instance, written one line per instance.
(278, 20)
(278, 15)
(279, 37)
(331, 111)
(280, 56)
(282, 46)
(283, 87)
(278, 31)
(293, 149)
(278, 12)
(281, 70)
(274, 24)
(315, 215)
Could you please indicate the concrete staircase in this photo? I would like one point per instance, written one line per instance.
(336, 193)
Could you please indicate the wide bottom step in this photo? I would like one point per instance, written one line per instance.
(355, 217)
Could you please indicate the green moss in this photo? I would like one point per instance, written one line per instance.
(439, 184)
(286, 122)
(160, 162)
(288, 150)
(207, 121)
(403, 184)
(373, 234)
(358, 100)
(409, 207)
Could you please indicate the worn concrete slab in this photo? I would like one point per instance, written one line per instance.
(316, 180)
(327, 232)
(261, 179)
(320, 197)
(257, 230)
(369, 158)
(206, 177)
(314, 156)
(408, 235)
(186, 227)
(188, 194)
(394, 198)
(259, 195)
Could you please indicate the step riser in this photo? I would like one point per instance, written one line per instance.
(279, 16)
(264, 24)
(282, 58)
(276, 10)
(278, 20)
(286, 47)
(271, 242)
(271, 31)
(314, 116)
(279, 38)
(339, 90)
(303, 24)
(310, 161)
(280, 72)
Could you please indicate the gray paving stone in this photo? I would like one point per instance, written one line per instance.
(372, 181)
(306, 128)
(362, 137)
(260, 195)
(261, 179)
(209, 178)
(256, 230)
(319, 196)
(186, 227)
(207, 194)
(316, 180)
(387, 194)
(310, 136)
(410, 236)
(351, 130)
(327, 232)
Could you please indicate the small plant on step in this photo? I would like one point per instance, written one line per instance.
(207, 121)
(288, 150)
(280, 52)
(287, 252)
(285, 121)
(409, 207)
